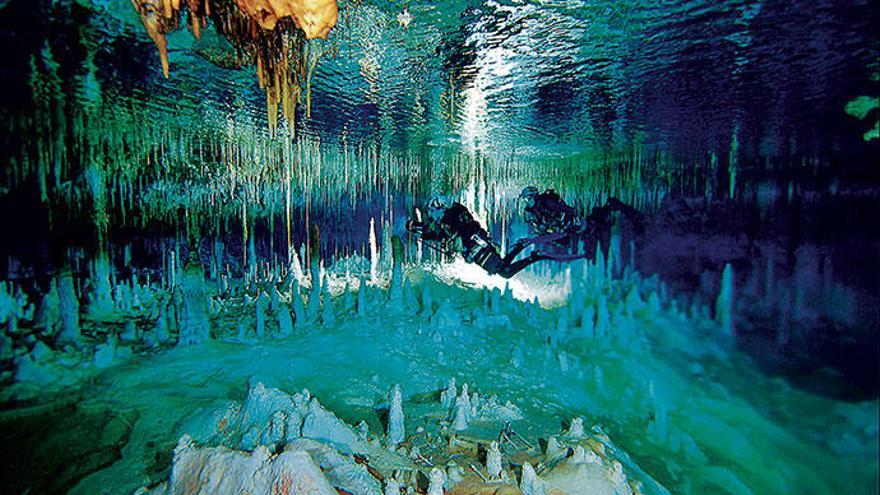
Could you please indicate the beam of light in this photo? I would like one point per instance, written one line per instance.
(550, 290)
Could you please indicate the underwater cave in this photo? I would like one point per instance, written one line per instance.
(439, 247)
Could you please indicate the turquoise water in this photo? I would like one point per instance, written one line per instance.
(727, 345)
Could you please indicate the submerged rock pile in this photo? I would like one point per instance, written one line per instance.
(290, 444)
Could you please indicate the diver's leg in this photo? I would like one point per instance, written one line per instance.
(515, 249)
(511, 269)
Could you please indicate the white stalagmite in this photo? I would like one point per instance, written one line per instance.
(531, 484)
(579, 456)
(465, 396)
(436, 481)
(553, 450)
(447, 396)
(418, 215)
(296, 270)
(396, 432)
(68, 307)
(517, 358)
(101, 299)
(493, 461)
(724, 304)
(385, 256)
(462, 411)
(454, 474)
(576, 428)
(374, 253)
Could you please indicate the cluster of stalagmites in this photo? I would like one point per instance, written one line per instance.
(275, 302)
(46, 343)
(270, 33)
(274, 442)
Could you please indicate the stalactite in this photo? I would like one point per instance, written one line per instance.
(274, 33)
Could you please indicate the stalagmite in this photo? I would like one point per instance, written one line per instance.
(531, 484)
(553, 450)
(285, 322)
(454, 474)
(465, 397)
(462, 410)
(101, 297)
(160, 334)
(261, 308)
(106, 352)
(374, 253)
(296, 270)
(362, 299)
(576, 428)
(299, 310)
(436, 481)
(603, 318)
(448, 395)
(516, 357)
(314, 306)
(493, 461)
(328, 313)
(427, 301)
(588, 318)
(49, 312)
(562, 358)
(396, 433)
(69, 309)
(446, 317)
(195, 327)
(724, 305)
(395, 292)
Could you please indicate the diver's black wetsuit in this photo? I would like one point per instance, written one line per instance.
(562, 234)
(549, 213)
(457, 222)
(597, 225)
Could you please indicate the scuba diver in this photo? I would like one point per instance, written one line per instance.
(454, 229)
(547, 213)
(560, 233)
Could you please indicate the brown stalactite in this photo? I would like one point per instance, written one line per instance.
(262, 29)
